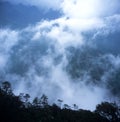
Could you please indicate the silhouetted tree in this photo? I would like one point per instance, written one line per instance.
(60, 102)
(66, 106)
(13, 109)
(25, 99)
(44, 100)
(6, 87)
(36, 102)
(109, 110)
(26, 96)
(75, 107)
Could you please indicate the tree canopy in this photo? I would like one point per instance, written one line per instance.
(19, 109)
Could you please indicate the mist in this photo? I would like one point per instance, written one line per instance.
(74, 58)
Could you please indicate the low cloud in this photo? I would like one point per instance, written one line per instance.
(64, 58)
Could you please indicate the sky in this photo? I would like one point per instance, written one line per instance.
(66, 49)
(55, 4)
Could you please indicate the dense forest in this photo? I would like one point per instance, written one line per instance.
(20, 109)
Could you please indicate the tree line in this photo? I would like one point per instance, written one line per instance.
(15, 108)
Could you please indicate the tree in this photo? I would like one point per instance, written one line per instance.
(21, 96)
(44, 100)
(75, 107)
(25, 99)
(66, 106)
(26, 96)
(109, 110)
(60, 103)
(27, 103)
(36, 102)
(6, 87)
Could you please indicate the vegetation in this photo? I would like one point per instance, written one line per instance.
(19, 109)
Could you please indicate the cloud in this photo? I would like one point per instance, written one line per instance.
(38, 57)
(90, 8)
(8, 39)
(63, 57)
(75, 8)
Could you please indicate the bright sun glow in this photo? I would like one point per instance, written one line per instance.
(81, 8)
